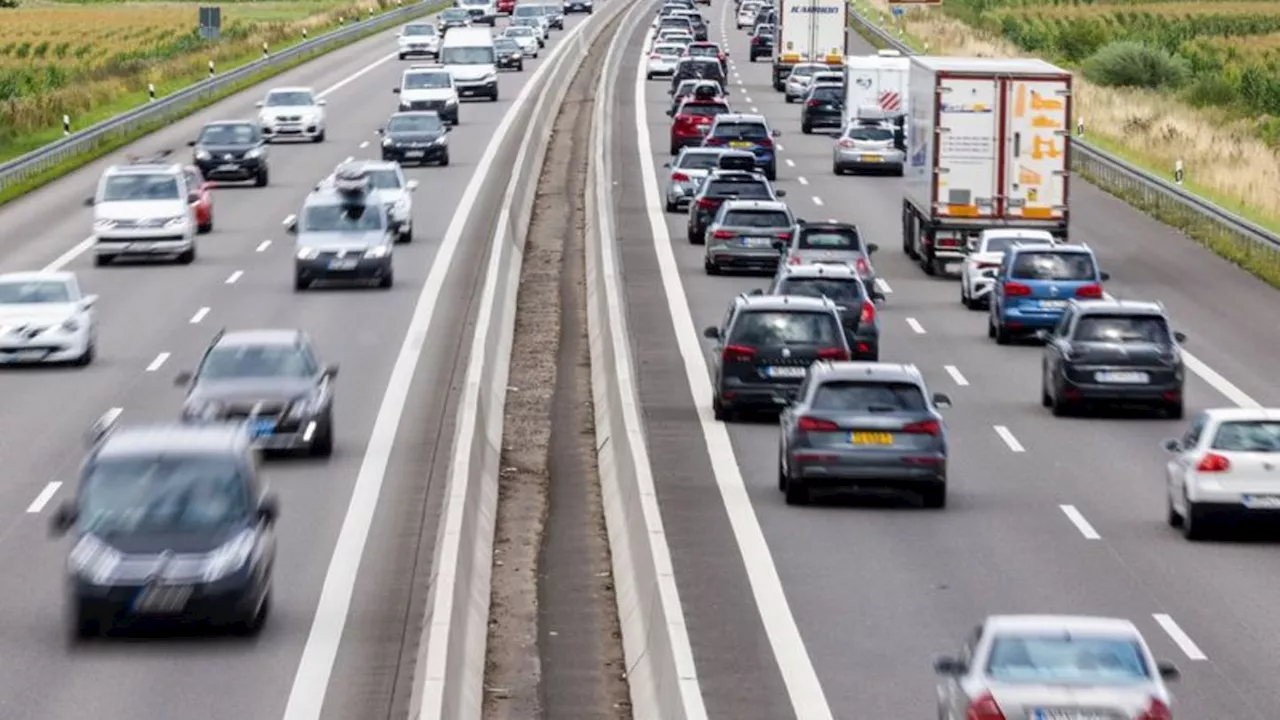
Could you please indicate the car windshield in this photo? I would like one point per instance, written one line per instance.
(830, 240)
(427, 81)
(415, 124)
(289, 98)
(764, 31)
(1122, 329)
(869, 397)
(700, 68)
(1260, 436)
(256, 361)
(140, 187)
(756, 219)
(384, 180)
(455, 14)
(169, 494)
(527, 11)
(243, 134)
(760, 328)
(827, 78)
(869, 134)
(33, 292)
(745, 189)
(703, 109)
(478, 55)
(504, 44)
(1067, 658)
(1066, 267)
(704, 51)
(841, 291)
(741, 130)
(420, 30)
(340, 218)
(803, 71)
(697, 161)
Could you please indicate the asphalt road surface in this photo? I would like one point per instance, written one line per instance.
(1046, 514)
(156, 320)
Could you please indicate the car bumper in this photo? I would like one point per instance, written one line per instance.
(297, 130)
(745, 261)
(300, 436)
(432, 153)
(757, 395)
(868, 162)
(419, 51)
(507, 63)
(155, 244)
(364, 269)
(823, 119)
(578, 8)
(243, 169)
(1110, 392)
(47, 347)
(831, 467)
(1019, 319)
(217, 602)
(660, 70)
(479, 89)
(679, 195)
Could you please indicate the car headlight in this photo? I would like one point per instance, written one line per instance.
(306, 253)
(254, 153)
(231, 556)
(94, 560)
(442, 140)
(203, 155)
(70, 325)
(103, 224)
(380, 251)
(451, 101)
(387, 142)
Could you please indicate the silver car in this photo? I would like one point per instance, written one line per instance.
(865, 426)
(866, 148)
(687, 172)
(833, 243)
(1050, 666)
(748, 235)
(797, 83)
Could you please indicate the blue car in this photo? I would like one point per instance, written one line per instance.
(752, 133)
(1034, 284)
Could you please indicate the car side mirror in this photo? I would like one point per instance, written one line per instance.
(712, 333)
(1168, 671)
(780, 193)
(872, 247)
(183, 378)
(322, 103)
(780, 246)
(448, 128)
(88, 202)
(331, 370)
(777, 133)
(1180, 337)
(268, 508)
(941, 400)
(666, 164)
(258, 104)
(64, 518)
(411, 185)
(1105, 276)
(380, 131)
(191, 143)
(1172, 445)
(876, 295)
(1042, 335)
(395, 91)
(88, 302)
(948, 666)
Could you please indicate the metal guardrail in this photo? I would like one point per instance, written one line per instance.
(39, 161)
(1149, 192)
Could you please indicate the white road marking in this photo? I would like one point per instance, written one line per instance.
(364, 144)
(311, 682)
(780, 148)
(1009, 439)
(65, 258)
(808, 699)
(817, 201)
(1180, 638)
(883, 285)
(748, 99)
(832, 220)
(915, 326)
(233, 277)
(802, 180)
(160, 360)
(1077, 518)
(44, 497)
(956, 376)
(262, 246)
(199, 315)
(349, 159)
(790, 162)
(755, 109)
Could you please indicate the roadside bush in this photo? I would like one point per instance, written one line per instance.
(1133, 64)
(8, 3)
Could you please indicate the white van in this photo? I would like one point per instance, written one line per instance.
(468, 54)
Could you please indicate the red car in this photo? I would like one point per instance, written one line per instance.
(506, 7)
(201, 198)
(690, 123)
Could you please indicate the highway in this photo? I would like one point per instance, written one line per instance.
(837, 610)
(155, 320)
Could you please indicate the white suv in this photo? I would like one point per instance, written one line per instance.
(985, 254)
(420, 38)
(429, 87)
(144, 210)
(292, 112)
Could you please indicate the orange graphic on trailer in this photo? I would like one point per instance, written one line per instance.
(1046, 122)
(1042, 148)
(1027, 176)
(1038, 102)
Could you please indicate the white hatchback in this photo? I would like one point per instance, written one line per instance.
(663, 59)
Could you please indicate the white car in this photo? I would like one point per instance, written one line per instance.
(419, 38)
(144, 210)
(747, 14)
(524, 36)
(387, 184)
(292, 112)
(797, 83)
(1227, 463)
(44, 318)
(663, 60)
(978, 272)
(429, 87)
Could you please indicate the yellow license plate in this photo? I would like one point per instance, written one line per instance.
(739, 144)
(872, 438)
(871, 158)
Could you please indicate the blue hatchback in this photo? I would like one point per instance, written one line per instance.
(746, 132)
(1034, 284)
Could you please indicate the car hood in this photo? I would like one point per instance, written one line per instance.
(425, 137)
(153, 543)
(12, 316)
(336, 241)
(139, 209)
(222, 149)
(1117, 353)
(466, 73)
(427, 94)
(250, 390)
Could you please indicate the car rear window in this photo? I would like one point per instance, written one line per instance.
(869, 396)
(741, 130)
(828, 92)
(757, 219)
(1065, 658)
(760, 328)
(1122, 329)
(869, 134)
(745, 189)
(841, 291)
(765, 30)
(704, 109)
(1261, 436)
(1066, 267)
(704, 50)
(803, 70)
(830, 240)
(697, 161)
(666, 51)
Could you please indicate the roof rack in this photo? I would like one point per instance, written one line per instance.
(351, 179)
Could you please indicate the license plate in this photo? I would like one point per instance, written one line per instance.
(141, 246)
(871, 438)
(162, 599)
(1261, 502)
(414, 154)
(1054, 304)
(755, 242)
(951, 268)
(871, 158)
(263, 427)
(1122, 378)
(1042, 714)
(229, 166)
(23, 355)
(346, 264)
(739, 144)
(786, 372)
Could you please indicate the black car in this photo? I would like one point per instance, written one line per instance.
(270, 380)
(765, 348)
(579, 6)
(1112, 352)
(415, 137)
(695, 68)
(508, 55)
(721, 185)
(761, 42)
(699, 27)
(853, 299)
(823, 108)
(171, 523)
(231, 150)
(453, 18)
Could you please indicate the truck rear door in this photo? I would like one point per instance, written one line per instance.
(967, 154)
(1037, 130)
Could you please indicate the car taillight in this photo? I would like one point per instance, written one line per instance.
(713, 141)
(707, 204)
(733, 353)
(833, 354)
(795, 260)
(868, 313)
(784, 235)
(765, 142)
(987, 266)
(846, 143)
(1016, 289)
(1157, 710)
(861, 266)
(924, 427)
(655, 56)
(814, 103)
(948, 242)
(1213, 462)
(984, 707)
(680, 177)
(723, 234)
(809, 424)
(1093, 292)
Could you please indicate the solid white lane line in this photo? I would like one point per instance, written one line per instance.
(1180, 638)
(199, 315)
(65, 258)
(958, 378)
(262, 246)
(804, 689)
(915, 326)
(802, 181)
(155, 364)
(883, 285)
(233, 277)
(1077, 518)
(1009, 439)
(790, 162)
(817, 201)
(44, 497)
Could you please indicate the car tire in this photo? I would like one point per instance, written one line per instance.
(386, 282)
(1046, 400)
(710, 267)
(720, 412)
(648, 76)
(520, 67)
(1059, 407)
(323, 444)
(264, 177)
(494, 96)
(1171, 514)
(402, 56)
(782, 475)
(771, 172)
(806, 128)
(671, 207)
(991, 326)
(1193, 522)
(1002, 336)
(319, 138)
(205, 228)
(405, 237)
(787, 99)
(83, 625)
(964, 294)
(797, 493)
(188, 257)
(86, 358)
(836, 169)
(300, 283)
(251, 625)
(1174, 410)
(934, 497)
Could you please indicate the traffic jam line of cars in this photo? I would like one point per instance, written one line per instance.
(797, 349)
(253, 391)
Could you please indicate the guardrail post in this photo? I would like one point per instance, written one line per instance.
(304, 34)
(265, 53)
(1177, 172)
(1080, 127)
(66, 124)
(342, 22)
(151, 92)
(211, 70)
(370, 13)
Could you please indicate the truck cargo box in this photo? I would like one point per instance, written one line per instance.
(876, 81)
(808, 31)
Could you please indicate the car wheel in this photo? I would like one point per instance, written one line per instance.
(648, 76)
(405, 236)
(402, 56)
(935, 496)
(187, 257)
(87, 356)
(1193, 521)
(1046, 400)
(205, 228)
(84, 625)
(722, 413)
(319, 137)
(787, 99)
(782, 475)
(710, 267)
(771, 172)
(520, 67)
(1060, 407)
(671, 207)
(991, 326)
(300, 283)
(1003, 336)
(322, 445)
(806, 128)
(797, 492)
(387, 281)
(836, 169)
(264, 177)
(252, 624)
(1174, 410)
(1171, 514)
(444, 161)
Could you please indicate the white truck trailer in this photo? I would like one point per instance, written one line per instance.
(808, 31)
(988, 145)
(876, 81)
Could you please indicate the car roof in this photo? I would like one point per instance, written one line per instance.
(674, 46)
(1068, 623)
(366, 165)
(835, 271)
(855, 370)
(1027, 233)
(741, 118)
(799, 303)
(770, 205)
(219, 123)
(741, 175)
(828, 227)
(174, 438)
(705, 151)
(1116, 307)
(1042, 247)
(260, 336)
(146, 168)
(1228, 414)
(33, 275)
(415, 113)
(290, 88)
(427, 68)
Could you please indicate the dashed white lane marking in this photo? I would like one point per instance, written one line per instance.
(233, 277)
(1009, 439)
(915, 326)
(349, 158)
(1077, 518)
(364, 144)
(1180, 638)
(832, 220)
(817, 201)
(155, 364)
(883, 285)
(790, 162)
(755, 109)
(199, 315)
(802, 180)
(44, 497)
(748, 99)
(956, 376)
(262, 246)
(780, 148)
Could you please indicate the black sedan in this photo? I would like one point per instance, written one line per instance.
(416, 137)
(508, 53)
(231, 150)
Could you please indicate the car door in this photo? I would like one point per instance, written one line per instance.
(725, 326)
(1059, 344)
(952, 696)
(997, 286)
(1180, 462)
